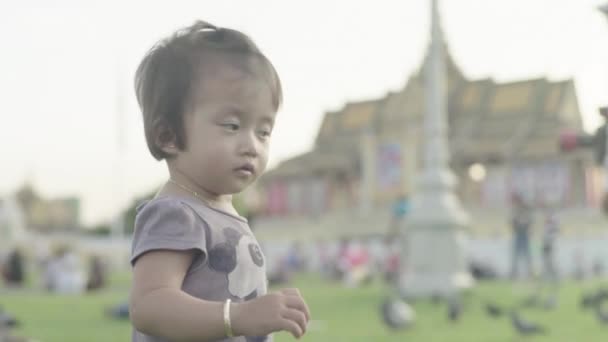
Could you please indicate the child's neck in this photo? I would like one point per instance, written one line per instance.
(183, 187)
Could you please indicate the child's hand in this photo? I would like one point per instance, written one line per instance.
(283, 310)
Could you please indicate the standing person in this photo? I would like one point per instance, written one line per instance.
(550, 276)
(550, 233)
(14, 270)
(521, 222)
(209, 98)
(97, 277)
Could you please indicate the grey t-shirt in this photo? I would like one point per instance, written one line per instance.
(230, 263)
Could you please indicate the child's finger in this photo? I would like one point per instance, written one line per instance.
(296, 316)
(299, 304)
(292, 327)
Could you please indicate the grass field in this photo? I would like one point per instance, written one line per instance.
(348, 315)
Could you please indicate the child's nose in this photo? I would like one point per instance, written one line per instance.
(249, 145)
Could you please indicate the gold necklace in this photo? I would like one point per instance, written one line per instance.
(201, 198)
(183, 187)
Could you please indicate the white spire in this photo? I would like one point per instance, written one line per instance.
(436, 217)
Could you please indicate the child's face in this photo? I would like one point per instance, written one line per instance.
(227, 129)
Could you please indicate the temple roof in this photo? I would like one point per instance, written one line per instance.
(312, 162)
(487, 119)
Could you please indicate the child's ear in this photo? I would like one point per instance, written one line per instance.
(166, 140)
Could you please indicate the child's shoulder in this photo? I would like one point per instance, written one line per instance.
(172, 208)
(161, 203)
(163, 210)
(179, 205)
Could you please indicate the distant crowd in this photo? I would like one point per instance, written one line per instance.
(60, 271)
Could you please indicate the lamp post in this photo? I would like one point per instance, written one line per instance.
(604, 113)
(434, 262)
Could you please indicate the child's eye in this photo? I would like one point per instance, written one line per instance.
(265, 133)
(231, 126)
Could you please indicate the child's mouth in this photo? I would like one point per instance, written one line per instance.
(245, 170)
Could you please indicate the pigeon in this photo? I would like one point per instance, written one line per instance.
(7, 321)
(120, 311)
(590, 300)
(397, 314)
(454, 309)
(601, 313)
(601, 295)
(524, 327)
(587, 300)
(493, 310)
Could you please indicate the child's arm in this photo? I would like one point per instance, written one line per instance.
(160, 308)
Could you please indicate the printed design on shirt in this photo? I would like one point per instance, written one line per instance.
(222, 257)
(256, 254)
(252, 295)
(241, 259)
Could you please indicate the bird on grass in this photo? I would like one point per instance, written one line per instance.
(120, 311)
(397, 314)
(493, 310)
(601, 312)
(592, 299)
(587, 300)
(601, 295)
(7, 323)
(454, 309)
(526, 328)
(6, 320)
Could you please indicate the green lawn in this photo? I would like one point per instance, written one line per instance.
(344, 315)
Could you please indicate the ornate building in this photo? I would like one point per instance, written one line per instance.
(367, 154)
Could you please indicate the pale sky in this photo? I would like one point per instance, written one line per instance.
(64, 64)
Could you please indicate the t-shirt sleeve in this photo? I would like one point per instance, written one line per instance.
(167, 224)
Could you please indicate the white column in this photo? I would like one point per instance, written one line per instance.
(434, 262)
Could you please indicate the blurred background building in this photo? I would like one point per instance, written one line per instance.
(48, 215)
(503, 139)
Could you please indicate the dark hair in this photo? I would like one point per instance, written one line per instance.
(169, 71)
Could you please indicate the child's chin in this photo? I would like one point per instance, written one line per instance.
(237, 187)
